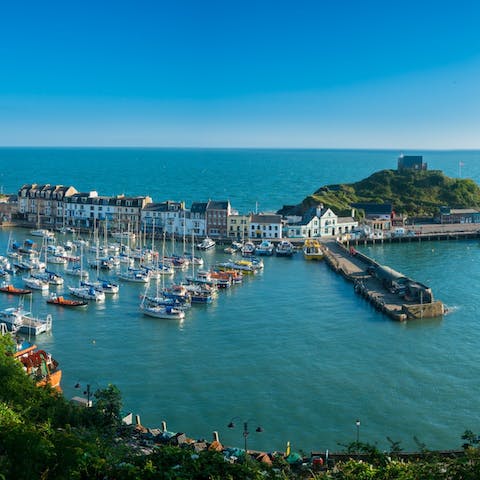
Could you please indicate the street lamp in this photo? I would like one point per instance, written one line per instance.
(357, 423)
(86, 392)
(245, 432)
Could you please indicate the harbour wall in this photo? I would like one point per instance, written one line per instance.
(388, 291)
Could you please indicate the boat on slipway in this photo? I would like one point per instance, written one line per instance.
(39, 365)
(312, 249)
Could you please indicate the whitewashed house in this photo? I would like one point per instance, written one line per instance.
(316, 222)
(265, 225)
(168, 217)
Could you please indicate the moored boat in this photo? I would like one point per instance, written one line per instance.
(166, 312)
(285, 248)
(66, 302)
(50, 277)
(206, 244)
(312, 249)
(103, 286)
(87, 293)
(248, 249)
(19, 320)
(42, 232)
(265, 248)
(10, 289)
(35, 283)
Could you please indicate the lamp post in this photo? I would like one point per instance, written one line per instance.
(86, 392)
(357, 423)
(245, 432)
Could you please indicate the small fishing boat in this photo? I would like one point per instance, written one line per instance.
(66, 302)
(206, 244)
(284, 249)
(265, 248)
(248, 249)
(10, 289)
(312, 249)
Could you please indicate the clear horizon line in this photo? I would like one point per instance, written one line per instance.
(179, 147)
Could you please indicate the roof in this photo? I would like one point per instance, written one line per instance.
(459, 211)
(168, 206)
(218, 205)
(345, 220)
(266, 218)
(198, 207)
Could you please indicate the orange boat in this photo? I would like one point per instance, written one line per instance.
(233, 275)
(66, 302)
(39, 365)
(14, 290)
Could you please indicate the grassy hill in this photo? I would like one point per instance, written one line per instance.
(411, 192)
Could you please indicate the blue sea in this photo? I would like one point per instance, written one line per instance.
(293, 349)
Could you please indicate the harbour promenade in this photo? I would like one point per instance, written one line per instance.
(391, 292)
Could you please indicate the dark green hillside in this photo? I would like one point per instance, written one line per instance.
(411, 192)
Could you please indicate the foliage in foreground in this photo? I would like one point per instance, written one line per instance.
(42, 436)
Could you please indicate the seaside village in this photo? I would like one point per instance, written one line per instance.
(64, 208)
(75, 231)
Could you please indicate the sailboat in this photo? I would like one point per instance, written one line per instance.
(100, 285)
(157, 270)
(161, 308)
(199, 292)
(84, 291)
(132, 274)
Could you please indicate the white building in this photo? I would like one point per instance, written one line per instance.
(319, 222)
(266, 225)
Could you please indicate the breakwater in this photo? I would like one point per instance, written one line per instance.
(389, 291)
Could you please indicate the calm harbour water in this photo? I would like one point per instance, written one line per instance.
(293, 349)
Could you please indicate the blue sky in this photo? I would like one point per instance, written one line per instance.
(312, 74)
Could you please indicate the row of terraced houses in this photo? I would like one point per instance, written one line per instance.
(56, 206)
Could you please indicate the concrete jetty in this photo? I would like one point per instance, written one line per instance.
(389, 291)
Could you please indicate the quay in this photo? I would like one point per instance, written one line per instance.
(389, 291)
